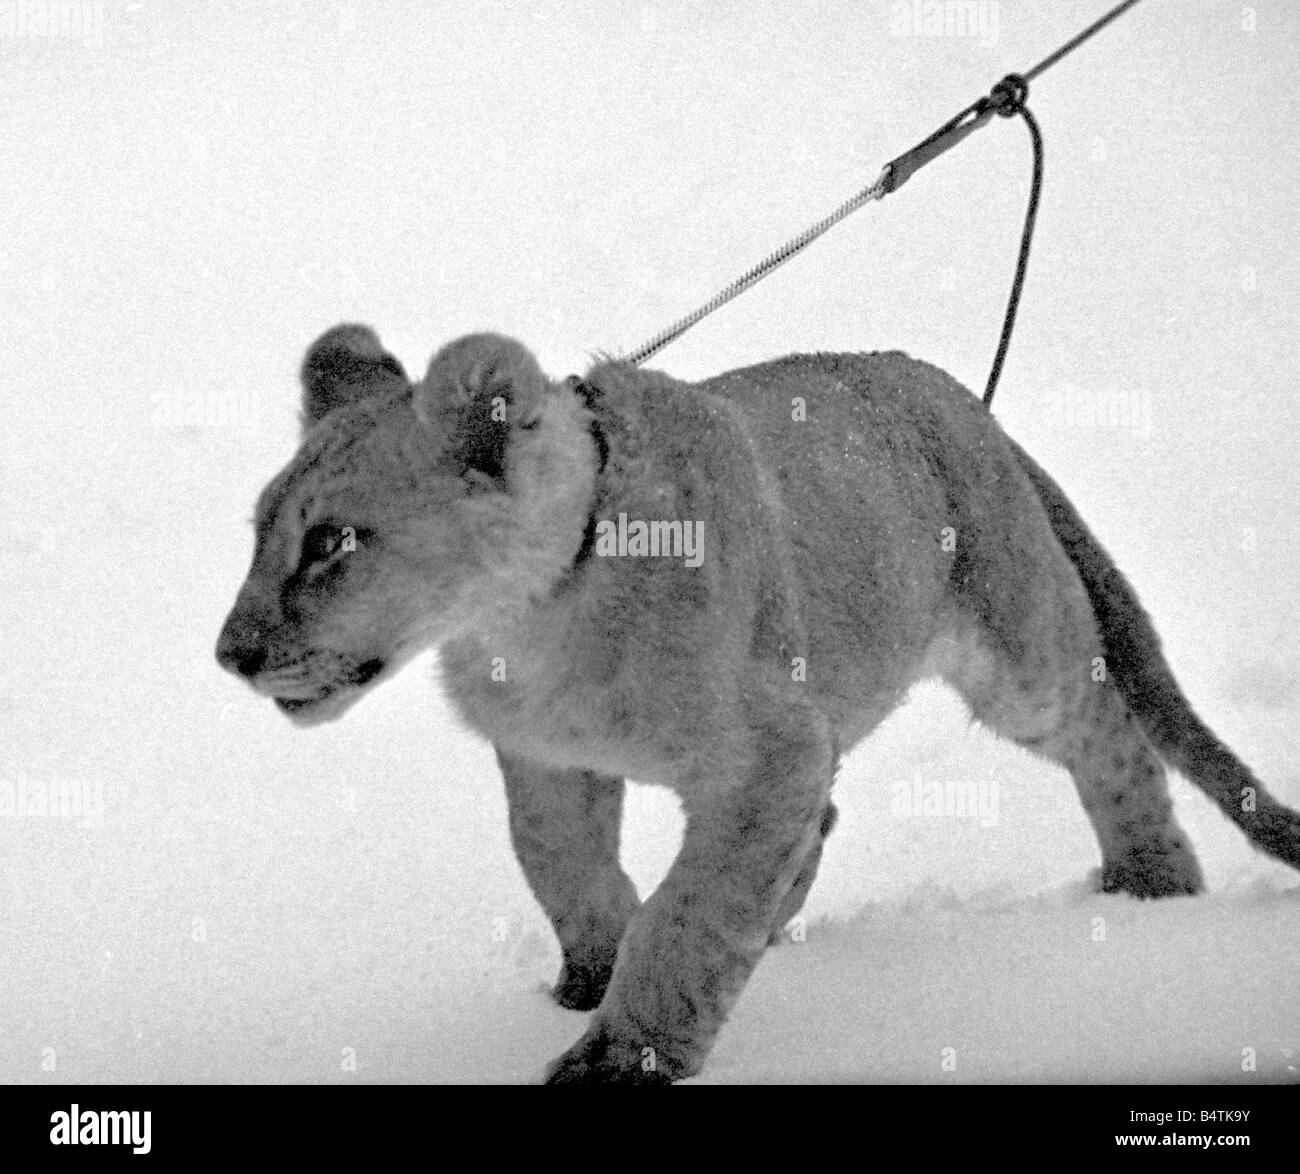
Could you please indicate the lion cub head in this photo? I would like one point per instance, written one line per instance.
(410, 513)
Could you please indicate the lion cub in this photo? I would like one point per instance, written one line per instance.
(856, 523)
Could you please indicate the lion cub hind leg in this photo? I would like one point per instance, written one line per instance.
(1053, 706)
(1121, 782)
(564, 826)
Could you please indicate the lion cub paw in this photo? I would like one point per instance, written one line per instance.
(602, 1056)
(581, 988)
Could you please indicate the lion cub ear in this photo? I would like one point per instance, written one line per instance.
(478, 393)
(345, 365)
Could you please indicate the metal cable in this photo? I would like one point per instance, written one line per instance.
(1007, 98)
(762, 269)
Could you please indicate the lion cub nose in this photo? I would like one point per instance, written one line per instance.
(239, 657)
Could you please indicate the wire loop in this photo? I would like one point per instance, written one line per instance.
(1009, 96)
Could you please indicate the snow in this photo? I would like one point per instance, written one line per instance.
(255, 924)
(187, 204)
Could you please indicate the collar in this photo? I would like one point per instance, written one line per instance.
(591, 398)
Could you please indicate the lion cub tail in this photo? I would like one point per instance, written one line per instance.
(1140, 672)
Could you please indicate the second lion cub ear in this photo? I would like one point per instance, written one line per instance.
(478, 392)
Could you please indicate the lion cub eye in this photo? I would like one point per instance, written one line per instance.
(324, 540)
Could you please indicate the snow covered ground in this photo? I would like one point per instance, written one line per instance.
(212, 187)
(254, 923)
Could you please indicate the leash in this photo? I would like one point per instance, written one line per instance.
(1007, 99)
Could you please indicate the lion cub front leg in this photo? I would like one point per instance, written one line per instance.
(692, 946)
(564, 826)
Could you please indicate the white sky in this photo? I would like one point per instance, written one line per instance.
(189, 198)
